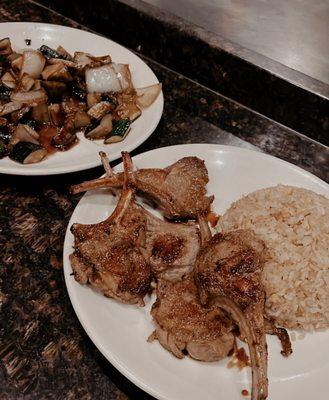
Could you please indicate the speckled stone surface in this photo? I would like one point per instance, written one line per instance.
(281, 93)
(44, 352)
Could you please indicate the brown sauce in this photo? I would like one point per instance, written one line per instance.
(46, 133)
(240, 359)
(212, 218)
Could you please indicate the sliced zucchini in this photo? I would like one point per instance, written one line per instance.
(5, 135)
(119, 131)
(102, 130)
(22, 150)
(5, 92)
(48, 52)
(3, 150)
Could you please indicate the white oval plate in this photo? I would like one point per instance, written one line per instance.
(120, 331)
(85, 154)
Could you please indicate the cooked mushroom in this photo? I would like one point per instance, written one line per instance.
(54, 89)
(5, 47)
(40, 113)
(81, 119)
(128, 109)
(77, 91)
(37, 84)
(64, 53)
(24, 133)
(9, 108)
(93, 98)
(32, 98)
(57, 72)
(64, 139)
(17, 115)
(98, 110)
(26, 83)
(56, 114)
(9, 80)
(83, 60)
(102, 129)
(68, 63)
(17, 63)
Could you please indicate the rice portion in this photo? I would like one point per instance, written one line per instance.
(294, 224)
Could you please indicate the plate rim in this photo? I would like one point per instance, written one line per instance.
(66, 263)
(95, 163)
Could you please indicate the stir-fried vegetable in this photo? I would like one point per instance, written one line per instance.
(3, 150)
(48, 95)
(119, 131)
(23, 151)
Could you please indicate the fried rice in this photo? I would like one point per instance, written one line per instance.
(294, 224)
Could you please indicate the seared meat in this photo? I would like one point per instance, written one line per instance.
(171, 248)
(282, 335)
(119, 255)
(179, 190)
(183, 326)
(108, 255)
(228, 275)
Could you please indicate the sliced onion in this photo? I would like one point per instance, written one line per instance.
(24, 133)
(9, 80)
(147, 95)
(33, 63)
(26, 83)
(108, 78)
(9, 108)
(33, 97)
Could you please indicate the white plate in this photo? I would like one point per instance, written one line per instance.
(120, 331)
(85, 154)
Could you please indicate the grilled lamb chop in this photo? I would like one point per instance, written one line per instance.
(118, 255)
(228, 275)
(170, 248)
(282, 335)
(183, 326)
(108, 255)
(179, 190)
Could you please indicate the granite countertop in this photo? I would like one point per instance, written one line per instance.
(44, 352)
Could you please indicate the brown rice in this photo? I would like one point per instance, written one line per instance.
(294, 223)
